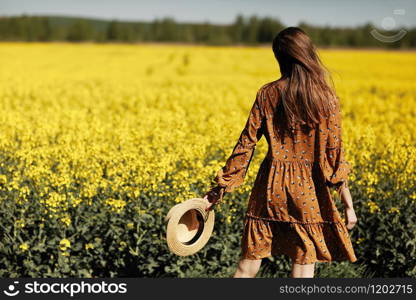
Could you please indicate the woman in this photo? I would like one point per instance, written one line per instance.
(290, 210)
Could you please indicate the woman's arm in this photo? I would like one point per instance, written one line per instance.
(233, 173)
(336, 168)
(350, 216)
(346, 196)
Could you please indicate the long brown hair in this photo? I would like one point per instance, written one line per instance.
(305, 97)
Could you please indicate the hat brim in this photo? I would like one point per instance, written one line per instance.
(196, 243)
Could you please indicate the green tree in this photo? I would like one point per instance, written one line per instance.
(267, 29)
(80, 30)
(237, 29)
(114, 31)
(252, 30)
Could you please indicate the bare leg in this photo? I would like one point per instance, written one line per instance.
(302, 271)
(247, 268)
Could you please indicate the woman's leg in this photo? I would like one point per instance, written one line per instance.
(302, 271)
(247, 268)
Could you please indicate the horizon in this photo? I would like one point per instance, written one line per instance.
(103, 19)
(395, 14)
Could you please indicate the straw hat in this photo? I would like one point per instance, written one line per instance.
(189, 226)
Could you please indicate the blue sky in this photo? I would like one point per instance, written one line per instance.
(290, 12)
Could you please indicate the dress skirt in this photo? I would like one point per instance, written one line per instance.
(303, 243)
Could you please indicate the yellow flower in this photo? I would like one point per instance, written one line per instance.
(3, 179)
(89, 246)
(64, 244)
(24, 247)
(66, 220)
(116, 205)
(394, 210)
(360, 240)
(373, 206)
(370, 190)
(20, 223)
(130, 225)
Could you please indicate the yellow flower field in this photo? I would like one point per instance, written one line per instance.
(114, 123)
(141, 114)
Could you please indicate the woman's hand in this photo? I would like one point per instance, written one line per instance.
(213, 196)
(350, 217)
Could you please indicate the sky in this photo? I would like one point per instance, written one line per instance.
(395, 13)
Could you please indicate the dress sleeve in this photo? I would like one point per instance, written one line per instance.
(337, 168)
(232, 174)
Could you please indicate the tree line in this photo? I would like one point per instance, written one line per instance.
(251, 30)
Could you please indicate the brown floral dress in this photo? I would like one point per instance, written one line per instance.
(290, 209)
